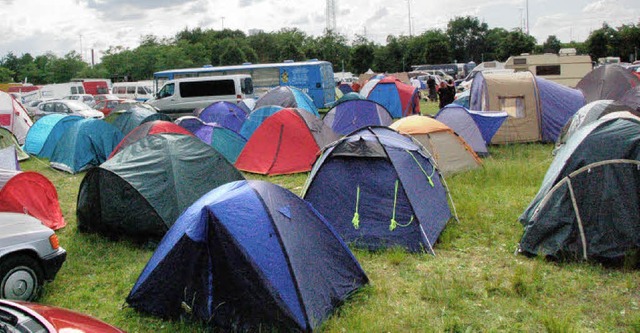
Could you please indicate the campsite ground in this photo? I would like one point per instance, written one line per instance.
(474, 283)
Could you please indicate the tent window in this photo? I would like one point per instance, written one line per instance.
(513, 106)
(548, 70)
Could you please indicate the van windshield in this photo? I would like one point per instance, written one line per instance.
(166, 91)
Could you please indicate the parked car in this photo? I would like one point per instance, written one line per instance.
(107, 105)
(66, 106)
(37, 318)
(29, 256)
(84, 98)
(32, 106)
(102, 97)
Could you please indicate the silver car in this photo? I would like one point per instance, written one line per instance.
(29, 256)
(64, 106)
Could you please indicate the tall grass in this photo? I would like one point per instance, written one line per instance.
(474, 283)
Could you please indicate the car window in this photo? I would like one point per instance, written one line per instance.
(131, 90)
(59, 107)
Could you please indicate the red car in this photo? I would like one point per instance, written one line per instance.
(38, 318)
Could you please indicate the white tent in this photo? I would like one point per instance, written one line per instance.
(14, 117)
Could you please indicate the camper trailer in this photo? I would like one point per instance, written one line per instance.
(566, 67)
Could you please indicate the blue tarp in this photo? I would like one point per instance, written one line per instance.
(249, 253)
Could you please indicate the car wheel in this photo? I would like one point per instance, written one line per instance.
(21, 277)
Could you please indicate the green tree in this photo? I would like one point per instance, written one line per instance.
(331, 47)
(629, 39)
(466, 35)
(516, 42)
(12, 63)
(493, 45)
(437, 49)
(603, 42)
(6, 75)
(232, 54)
(551, 45)
(362, 54)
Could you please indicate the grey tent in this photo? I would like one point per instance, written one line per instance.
(607, 82)
(588, 206)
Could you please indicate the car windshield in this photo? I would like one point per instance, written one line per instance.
(77, 106)
(15, 320)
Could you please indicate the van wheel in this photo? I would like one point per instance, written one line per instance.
(21, 277)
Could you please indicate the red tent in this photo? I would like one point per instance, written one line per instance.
(31, 193)
(286, 142)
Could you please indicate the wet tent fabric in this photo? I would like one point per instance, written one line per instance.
(462, 122)
(389, 190)
(30, 193)
(7, 139)
(287, 97)
(631, 98)
(133, 117)
(255, 119)
(85, 144)
(286, 142)
(399, 98)
(607, 82)
(450, 152)
(9, 159)
(588, 206)
(149, 128)
(352, 115)
(141, 191)
(224, 114)
(224, 140)
(345, 88)
(558, 104)
(588, 114)
(346, 97)
(45, 133)
(14, 117)
(249, 254)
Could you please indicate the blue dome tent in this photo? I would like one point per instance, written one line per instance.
(249, 254)
(45, 133)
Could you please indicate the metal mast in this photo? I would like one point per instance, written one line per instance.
(331, 15)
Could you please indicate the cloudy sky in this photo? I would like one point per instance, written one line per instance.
(60, 26)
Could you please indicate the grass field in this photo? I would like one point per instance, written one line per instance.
(475, 283)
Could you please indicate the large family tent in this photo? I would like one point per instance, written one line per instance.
(255, 119)
(7, 139)
(588, 114)
(380, 189)
(352, 115)
(228, 142)
(451, 153)
(30, 193)
(399, 98)
(287, 97)
(45, 133)
(225, 114)
(14, 117)
(286, 142)
(149, 128)
(477, 128)
(86, 143)
(588, 206)
(607, 82)
(249, 254)
(141, 190)
(537, 108)
(127, 120)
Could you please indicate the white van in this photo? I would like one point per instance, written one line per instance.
(181, 96)
(139, 90)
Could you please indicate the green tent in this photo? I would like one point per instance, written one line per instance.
(8, 139)
(141, 191)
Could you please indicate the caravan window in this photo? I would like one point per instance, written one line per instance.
(548, 70)
(131, 90)
(207, 88)
(74, 90)
(513, 106)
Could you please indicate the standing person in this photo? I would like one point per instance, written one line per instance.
(451, 96)
(442, 94)
(431, 85)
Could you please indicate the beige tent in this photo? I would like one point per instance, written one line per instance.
(516, 94)
(451, 152)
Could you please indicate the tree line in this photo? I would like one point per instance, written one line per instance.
(465, 39)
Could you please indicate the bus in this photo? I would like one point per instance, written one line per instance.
(314, 77)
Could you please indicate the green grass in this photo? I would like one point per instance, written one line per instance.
(474, 283)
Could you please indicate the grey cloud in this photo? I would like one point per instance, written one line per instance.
(300, 21)
(247, 3)
(380, 13)
(127, 10)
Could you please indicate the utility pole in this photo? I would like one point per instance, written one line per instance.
(330, 15)
(222, 22)
(409, 7)
(527, 3)
(81, 57)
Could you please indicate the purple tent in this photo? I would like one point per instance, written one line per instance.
(224, 140)
(351, 115)
(225, 114)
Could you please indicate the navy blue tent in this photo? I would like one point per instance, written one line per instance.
(351, 115)
(225, 114)
(249, 254)
(388, 189)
